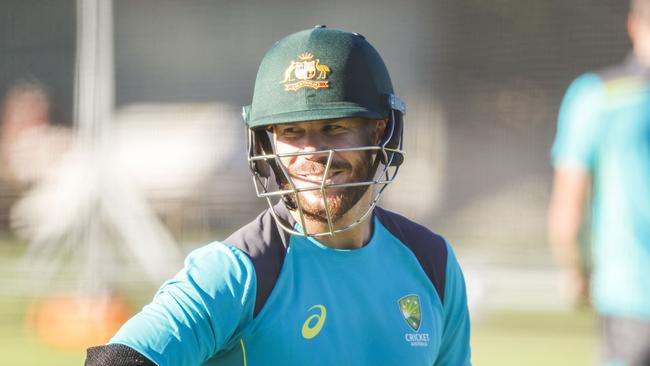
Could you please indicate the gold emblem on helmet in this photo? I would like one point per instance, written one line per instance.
(303, 71)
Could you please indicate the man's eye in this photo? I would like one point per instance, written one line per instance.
(291, 131)
(333, 128)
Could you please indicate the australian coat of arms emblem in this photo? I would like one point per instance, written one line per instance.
(306, 72)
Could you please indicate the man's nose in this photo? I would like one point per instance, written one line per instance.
(314, 142)
(315, 148)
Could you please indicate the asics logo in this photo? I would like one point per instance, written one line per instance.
(312, 326)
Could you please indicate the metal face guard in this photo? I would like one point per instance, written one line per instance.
(262, 163)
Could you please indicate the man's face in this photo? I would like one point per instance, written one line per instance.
(346, 167)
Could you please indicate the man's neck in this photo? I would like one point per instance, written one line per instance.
(354, 238)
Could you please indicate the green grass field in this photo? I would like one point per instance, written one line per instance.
(535, 338)
(19, 347)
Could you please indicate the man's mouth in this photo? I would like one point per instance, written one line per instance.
(317, 178)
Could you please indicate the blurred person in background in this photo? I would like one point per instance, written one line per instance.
(30, 144)
(323, 276)
(32, 147)
(601, 157)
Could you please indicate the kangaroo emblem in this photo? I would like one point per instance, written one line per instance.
(288, 72)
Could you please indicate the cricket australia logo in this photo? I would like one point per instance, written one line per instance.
(411, 311)
(301, 73)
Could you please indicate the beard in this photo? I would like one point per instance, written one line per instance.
(339, 200)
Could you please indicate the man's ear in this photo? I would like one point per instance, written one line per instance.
(379, 131)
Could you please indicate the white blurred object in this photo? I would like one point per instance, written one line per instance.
(168, 151)
(500, 287)
(175, 146)
(42, 147)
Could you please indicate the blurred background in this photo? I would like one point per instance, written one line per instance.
(122, 149)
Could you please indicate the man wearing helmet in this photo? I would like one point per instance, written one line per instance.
(323, 276)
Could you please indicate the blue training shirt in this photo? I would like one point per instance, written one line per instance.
(604, 128)
(260, 299)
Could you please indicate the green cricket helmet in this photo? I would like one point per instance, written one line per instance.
(319, 74)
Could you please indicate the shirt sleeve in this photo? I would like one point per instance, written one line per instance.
(198, 313)
(576, 138)
(455, 348)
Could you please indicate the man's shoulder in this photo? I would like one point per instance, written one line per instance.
(404, 228)
(238, 249)
(587, 85)
(254, 236)
(429, 248)
(211, 263)
(623, 79)
(265, 245)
